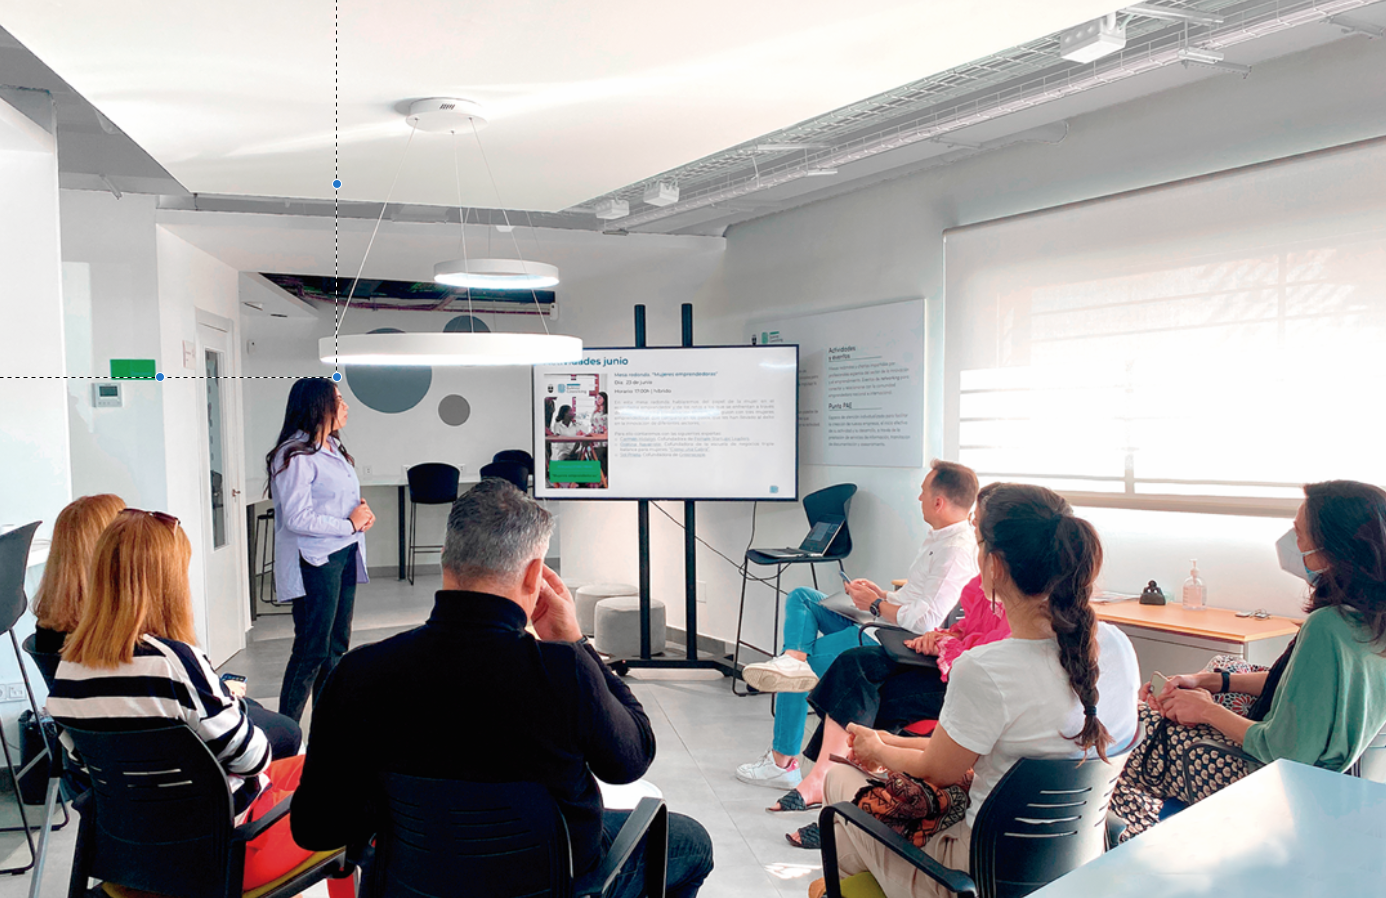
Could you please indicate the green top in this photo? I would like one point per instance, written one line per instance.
(1331, 701)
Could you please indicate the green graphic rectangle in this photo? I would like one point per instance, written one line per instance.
(589, 471)
(133, 369)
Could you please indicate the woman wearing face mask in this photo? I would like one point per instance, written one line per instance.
(1320, 703)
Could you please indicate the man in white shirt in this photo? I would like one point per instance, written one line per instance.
(814, 635)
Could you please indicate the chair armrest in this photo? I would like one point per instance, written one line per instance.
(650, 818)
(251, 830)
(1116, 825)
(954, 881)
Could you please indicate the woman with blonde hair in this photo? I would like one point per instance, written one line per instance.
(67, 583)
(63, 590)
(133, 658)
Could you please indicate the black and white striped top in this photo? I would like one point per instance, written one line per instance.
(168, 680)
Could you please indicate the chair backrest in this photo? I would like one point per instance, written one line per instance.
(46, 662)
(14, 562)
(1043, 819)
(1372, 764)
(517, 455)
(433, 483)
(160, 814)
(512, 471)
(500, 840)
(832, 500)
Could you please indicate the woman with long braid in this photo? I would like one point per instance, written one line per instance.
(1060, 687)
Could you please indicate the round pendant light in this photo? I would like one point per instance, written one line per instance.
(449, 349)
(496, 274)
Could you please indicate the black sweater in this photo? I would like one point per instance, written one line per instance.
(470, 696)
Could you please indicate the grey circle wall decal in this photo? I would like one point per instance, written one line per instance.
(454, 410)
(389, 389)
(466, 324)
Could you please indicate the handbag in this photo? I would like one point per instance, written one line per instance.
(913, 808)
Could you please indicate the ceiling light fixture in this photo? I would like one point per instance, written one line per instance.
(452, 115)
(460, 348)
(662, 193)
(1093, 40)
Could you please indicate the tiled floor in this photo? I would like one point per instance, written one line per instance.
(703, 732)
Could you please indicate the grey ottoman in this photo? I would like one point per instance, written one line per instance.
(618, 627)
(587, 597)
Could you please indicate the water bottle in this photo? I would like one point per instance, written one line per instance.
(1195, 593)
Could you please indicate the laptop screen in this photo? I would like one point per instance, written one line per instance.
(821, 535)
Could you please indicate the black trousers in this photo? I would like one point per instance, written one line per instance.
(867, 686)
(285, 735)
(322, 629)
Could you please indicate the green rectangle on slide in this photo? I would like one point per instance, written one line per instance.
(589, 471)
(133, 369)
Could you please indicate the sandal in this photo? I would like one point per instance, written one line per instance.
(809, 837)
(793, 801)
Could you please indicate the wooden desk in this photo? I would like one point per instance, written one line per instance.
(1287, 829)
(1173, 640)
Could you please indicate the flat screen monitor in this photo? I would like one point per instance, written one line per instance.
(706, 422)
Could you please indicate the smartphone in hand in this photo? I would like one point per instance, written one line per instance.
(843, 574)
(1157, 683)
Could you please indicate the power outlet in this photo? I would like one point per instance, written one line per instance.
(14, 692)
(369, 469)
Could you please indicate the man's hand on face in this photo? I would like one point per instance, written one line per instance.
(555, 614)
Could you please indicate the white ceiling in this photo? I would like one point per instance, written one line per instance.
(583, 98)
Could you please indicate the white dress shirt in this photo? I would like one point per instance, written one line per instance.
(946, 562)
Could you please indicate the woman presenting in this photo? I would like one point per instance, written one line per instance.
(319, 519)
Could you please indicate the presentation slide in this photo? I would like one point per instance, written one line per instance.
(707, 422)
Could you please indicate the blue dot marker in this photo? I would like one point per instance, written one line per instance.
(337, 185)
(337, 375)
(159, 376)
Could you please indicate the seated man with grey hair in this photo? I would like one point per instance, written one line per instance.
(471, 696)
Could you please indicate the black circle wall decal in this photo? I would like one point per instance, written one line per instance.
(466, 324)
(389, 389)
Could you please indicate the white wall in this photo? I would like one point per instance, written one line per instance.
(33, 416)
(188, 280)
(886, 243)
(110, 294)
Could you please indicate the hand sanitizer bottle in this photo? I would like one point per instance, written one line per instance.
(1195, 594)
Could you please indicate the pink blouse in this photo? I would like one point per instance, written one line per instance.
(980, 625)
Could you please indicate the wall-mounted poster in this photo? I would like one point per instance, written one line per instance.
(861, 383)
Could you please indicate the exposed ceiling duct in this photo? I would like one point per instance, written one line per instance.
(732, 178)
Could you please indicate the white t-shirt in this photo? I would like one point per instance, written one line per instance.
(1011, 700)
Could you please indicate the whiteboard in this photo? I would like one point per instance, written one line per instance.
(861, 383)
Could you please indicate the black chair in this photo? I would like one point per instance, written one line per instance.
(500, 840)
(829, 501)
(1043, 819)
(159, 818)
(516, 455)
(64, 783)
(513, 471)
(431, 483)
(14, 563)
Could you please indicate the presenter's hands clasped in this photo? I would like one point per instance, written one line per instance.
(555, 614)
(362, 518)
(863, 592)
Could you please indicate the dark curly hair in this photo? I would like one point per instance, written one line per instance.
(1347, 523)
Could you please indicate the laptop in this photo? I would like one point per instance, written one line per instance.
(816, 544)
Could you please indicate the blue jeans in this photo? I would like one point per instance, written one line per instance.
(690, 857)
(804, 620)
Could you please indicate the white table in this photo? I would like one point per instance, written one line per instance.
(1287, 829)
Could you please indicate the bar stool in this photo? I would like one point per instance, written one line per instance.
(431, 483)
(266, 552)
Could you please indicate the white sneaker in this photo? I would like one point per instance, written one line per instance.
(782, 673)
(766, 772)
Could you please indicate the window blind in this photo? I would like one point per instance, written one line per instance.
(1221, 338)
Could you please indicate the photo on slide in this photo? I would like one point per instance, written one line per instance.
(576, 417)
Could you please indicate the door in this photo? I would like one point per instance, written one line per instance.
(223, 506)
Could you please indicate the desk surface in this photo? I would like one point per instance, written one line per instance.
(1287, 829)
(1213, 623)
